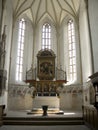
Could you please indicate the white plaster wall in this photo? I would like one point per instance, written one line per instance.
(20, 102)
(71, 101)
(85, 43)
(52, 102)
(66, 102)
(28, 48)
(7, 20)
(93, 17)
(61, 48)
(0, 14)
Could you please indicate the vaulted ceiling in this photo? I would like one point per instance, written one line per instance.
(37, 9)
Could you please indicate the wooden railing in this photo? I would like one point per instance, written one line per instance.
(90, 115)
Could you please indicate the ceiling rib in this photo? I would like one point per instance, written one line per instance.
(64, 9)
(32, 13)
(38, 10)
(60, 15)
(54, 10)
(32, 3)
(16, 6)
(74, 6)
(21, 12)
(70, 7)
(46, 6)
(20, 7)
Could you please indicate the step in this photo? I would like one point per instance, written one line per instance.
(42, 121)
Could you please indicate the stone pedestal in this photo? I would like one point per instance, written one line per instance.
(45, 109)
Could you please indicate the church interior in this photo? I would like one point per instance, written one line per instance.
(48, 61)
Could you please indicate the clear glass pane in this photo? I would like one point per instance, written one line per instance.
(18, 60)
(69, 27)
(20, 68)
(20, 77)
(73, 39)
(70, 61)
(17, 68)
(49, 35)
(74, 68)
(70, 46)
(21, 53)
(18, 53)
(46, 30)
(73, 46)
(72, 25)
(22, 46)
(20, 24)
(17, 77)
(49, 29)
(23, 25)
(22, 39)
(46, 35)
(70, 69)
(70, 54)
(73, 32)
(21, 60)
(71, 77)
(70, 40)
(74, 60)
(20, 32)
(19, 38)
(69, 34)
(74, 53)
(74, 76)
(43, 28)
(49, 42)
(49, 47)
(23, 32)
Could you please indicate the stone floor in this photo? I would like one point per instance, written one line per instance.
(53, 127)
(56, 127)
(23, 113)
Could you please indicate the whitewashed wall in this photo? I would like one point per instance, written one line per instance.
(71, 101)
(0, 14)
(7, 20)
(93, 17)
(85, 43)
(71, 97)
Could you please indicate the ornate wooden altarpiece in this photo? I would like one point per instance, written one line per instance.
(46, 78)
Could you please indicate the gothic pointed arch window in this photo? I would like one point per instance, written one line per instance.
(46, 36)
(71, 50)
(20, 50)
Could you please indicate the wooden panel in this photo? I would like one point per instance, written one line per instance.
(90, 115)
